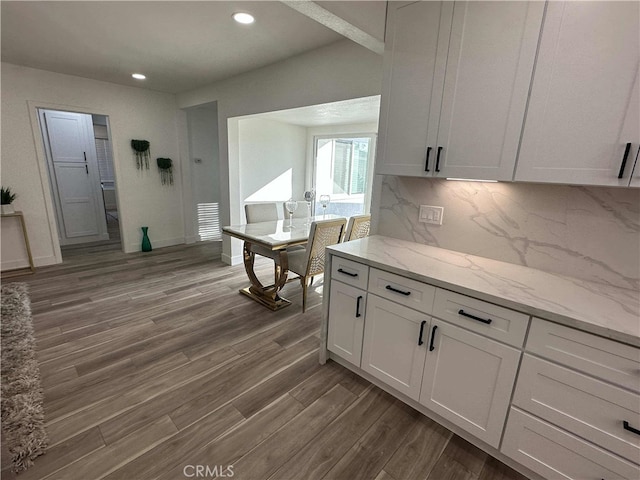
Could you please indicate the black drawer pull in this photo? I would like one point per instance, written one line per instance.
(358, 306)
(626, 426)
(433, 337)
(422, 324)
(465, 314)
(347, 273)
(624, 160)
(426, 164)
(438, 159)
(389, 287)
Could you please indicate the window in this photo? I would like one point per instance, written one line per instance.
(342, 171)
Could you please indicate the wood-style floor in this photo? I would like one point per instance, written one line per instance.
(153, 364)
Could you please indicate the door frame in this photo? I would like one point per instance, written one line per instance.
(43, 169)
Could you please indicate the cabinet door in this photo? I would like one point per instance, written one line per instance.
(346, 321)
(490, 63)
(468, 379)
(575, 130)
(393, 350)
(414, 64)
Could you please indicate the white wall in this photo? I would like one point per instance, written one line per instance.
(205, 179)
(133, 113)
(339, 71)
(272, 161)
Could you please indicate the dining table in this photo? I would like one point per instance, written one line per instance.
(271, 239)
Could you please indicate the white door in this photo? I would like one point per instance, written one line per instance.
(468, 379)
(346, 321)
(486, 85)
(575, 130)
(414, 64)
(394, 349)
(74, 176)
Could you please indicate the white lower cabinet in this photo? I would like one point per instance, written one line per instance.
(556, 454)
(591, 408)
(346, 310)
(468, 379)
(573, 412)
(395, 345)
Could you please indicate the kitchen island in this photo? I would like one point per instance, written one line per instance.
(540, 370)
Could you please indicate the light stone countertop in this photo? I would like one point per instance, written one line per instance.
(597, 308)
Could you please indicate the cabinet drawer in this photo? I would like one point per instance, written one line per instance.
(349, 272)
(603, 358)
(554, 453)
(592, 409)
(505, 325)
(402, 290)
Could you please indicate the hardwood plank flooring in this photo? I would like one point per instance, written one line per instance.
(152, 362)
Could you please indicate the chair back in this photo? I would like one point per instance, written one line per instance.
(300, 212)
(323, 233)
(358, 227)
(261, 212)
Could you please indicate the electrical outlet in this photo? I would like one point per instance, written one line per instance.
(431, 214)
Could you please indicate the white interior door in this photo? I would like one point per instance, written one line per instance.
(74, 176)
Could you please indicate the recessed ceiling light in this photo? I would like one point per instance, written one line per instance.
(138, 76)
(242, 17)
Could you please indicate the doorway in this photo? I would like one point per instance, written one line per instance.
(80, 167)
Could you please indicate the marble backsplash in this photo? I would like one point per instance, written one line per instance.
(592, 233)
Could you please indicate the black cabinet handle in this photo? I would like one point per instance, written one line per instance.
(465, 314)
(86, 168)
(624, 160)
(426, 165)
(438, 159)
(389, 287)
(347, 273)
(626, 426)
(85, 156)
(422, 324)
(358, 306)
(433, 337)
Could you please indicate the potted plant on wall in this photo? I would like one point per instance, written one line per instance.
(6, 199)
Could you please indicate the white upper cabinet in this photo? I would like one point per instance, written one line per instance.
(584, 108)
(456, 78)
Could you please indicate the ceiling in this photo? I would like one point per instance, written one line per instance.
(179, 46)
(357, 110)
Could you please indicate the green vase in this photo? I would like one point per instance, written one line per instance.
(146, 243)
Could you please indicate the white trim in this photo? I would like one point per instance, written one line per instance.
(169, 242)
(228, 260)
(8, 265)
(38, 141)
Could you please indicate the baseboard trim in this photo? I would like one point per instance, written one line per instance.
(136, 247)
(229, 260)
(7, 265)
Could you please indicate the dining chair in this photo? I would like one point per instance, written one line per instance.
(261, 212)
(358, 227)
(310, 262)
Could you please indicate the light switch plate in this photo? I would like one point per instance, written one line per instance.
(431, 214)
